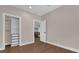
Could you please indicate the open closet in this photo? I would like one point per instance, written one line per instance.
(12, 31)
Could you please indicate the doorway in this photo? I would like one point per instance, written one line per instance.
(11, 30)
(39, 31)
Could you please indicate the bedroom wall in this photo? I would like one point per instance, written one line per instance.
(27, 23)
(63, 26)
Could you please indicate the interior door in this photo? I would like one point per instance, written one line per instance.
(15, 31)
(43, 30)
(7, 30)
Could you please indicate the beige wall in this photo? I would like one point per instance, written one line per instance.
(63, 26)
(27, 23)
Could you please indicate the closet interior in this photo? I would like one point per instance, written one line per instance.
(11, 31)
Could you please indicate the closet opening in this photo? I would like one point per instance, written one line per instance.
(11, 30)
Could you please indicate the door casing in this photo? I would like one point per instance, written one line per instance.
(41, 21)
(11, 15)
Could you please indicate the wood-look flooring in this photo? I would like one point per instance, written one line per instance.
(37, 47)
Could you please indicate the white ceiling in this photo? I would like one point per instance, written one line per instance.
(38, 9)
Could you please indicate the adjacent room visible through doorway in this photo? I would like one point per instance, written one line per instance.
(37, 31)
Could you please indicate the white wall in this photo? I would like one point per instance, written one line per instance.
(1, 32)
(63, 26)
(27, 23)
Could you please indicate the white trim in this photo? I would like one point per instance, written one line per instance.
(4, 14)
(20, 31)
(33, 31)
(3, 30)
(2, 48)
(27, 43)
(62, 46)
(7, 43)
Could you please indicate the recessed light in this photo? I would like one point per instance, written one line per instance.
(30, 7)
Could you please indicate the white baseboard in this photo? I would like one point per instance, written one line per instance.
(2, 48)
(69, 48)
(43, 41)
(7, 43)
(27, 43)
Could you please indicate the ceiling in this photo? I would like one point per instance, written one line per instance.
(39, 10)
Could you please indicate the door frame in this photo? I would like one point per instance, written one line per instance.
(33, 28)
(11, 15)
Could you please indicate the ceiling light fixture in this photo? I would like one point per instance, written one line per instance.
(30, 7)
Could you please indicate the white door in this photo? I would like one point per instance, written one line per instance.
(7, 30)
(15, 31)
(43, 30)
